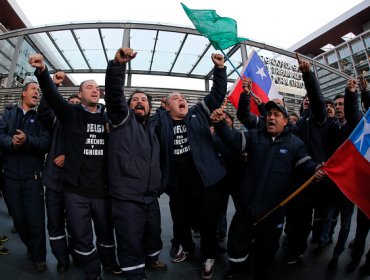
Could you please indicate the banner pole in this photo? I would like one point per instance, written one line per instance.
(285, 201)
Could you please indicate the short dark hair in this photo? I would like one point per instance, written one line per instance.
(329, 101)
(75, 95)
(25, 87)
(82, 83)
(338, 96)
(294, 114)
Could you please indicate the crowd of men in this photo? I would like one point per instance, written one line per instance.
(107, 165)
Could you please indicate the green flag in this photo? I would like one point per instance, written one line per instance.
(220, 31)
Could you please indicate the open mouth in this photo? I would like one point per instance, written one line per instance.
(139, 107)
(182, 106)
(270, 124)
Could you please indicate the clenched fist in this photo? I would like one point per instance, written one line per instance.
(218, 60)
(59, 77)
(303, 65)
(124, 55)
(37, 61)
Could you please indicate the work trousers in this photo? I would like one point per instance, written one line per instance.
(26, 205)
(138, 232)
(56, 224)
(81, 211)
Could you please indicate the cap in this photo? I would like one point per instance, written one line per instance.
(273, 104)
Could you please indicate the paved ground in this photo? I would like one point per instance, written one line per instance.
(16, 267)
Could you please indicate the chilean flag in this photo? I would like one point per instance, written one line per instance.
(349, 166)
(262, 85)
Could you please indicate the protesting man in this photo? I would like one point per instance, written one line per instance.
(274, 155)
(133, 172)
(84, 172)
(192, 168)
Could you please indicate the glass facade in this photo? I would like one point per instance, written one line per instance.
(169, 58)
(353, 60)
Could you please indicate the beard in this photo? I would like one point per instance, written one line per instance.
(142, 118)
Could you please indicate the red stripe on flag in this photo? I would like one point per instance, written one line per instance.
(351, 173)
(234, 98)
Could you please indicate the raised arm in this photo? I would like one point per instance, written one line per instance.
(49, 89)
(365, 93)
(215, 98)
(46, 114)
(352, 110)
(115, 99)
(231, 137)
(317, 102)
(244, 114)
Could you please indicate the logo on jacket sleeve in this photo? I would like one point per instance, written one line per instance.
(283, 151)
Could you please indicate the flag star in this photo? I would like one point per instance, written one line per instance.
(365, 133)
(261, 72)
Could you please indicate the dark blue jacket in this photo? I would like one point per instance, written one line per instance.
(27, 162)
(365, 99)
(74, 119)
(309, 127)
(133, 148)
(53, 175)
(270, 167)
(205, 156)
(312, 121)
(246, 117)
(336, 133)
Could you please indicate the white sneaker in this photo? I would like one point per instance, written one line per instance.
(208, 269)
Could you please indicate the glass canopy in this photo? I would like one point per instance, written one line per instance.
(168, 57)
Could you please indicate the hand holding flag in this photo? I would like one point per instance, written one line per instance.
(260, 82)
(247, 85)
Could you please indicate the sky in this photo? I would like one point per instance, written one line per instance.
(280, 23)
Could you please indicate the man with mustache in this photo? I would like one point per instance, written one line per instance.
(133, 173)
(274, 155)
(24, 141)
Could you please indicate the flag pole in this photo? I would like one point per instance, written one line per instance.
(236, 70)
(225, 55)
(285, 201)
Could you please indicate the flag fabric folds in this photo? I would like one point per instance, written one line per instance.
(349, 166)
(262, 84)
(220, 31)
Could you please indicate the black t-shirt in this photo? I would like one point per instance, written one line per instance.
(185, 169)
(92, 175)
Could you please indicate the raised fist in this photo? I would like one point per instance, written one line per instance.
(59, 77)
(124, 55)
(37, 61)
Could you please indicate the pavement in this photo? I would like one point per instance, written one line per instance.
(15, 266)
